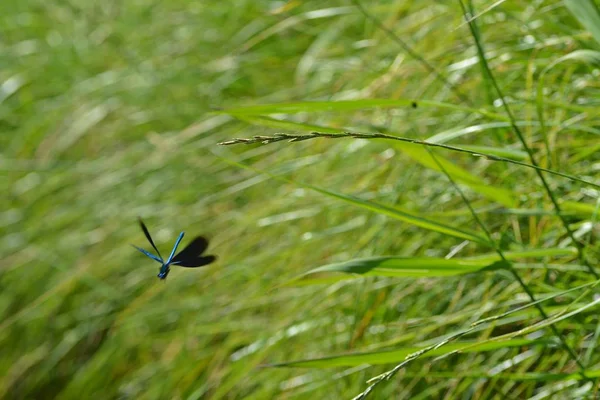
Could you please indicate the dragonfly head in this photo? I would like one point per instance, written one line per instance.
(164, 271)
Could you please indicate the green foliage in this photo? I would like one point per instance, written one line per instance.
(432, 267)
(113, 110)
(588, 15)
(397, 355)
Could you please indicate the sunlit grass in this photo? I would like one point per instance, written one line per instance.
(113, 111)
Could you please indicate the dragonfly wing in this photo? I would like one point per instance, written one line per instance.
(192, 250)
(147, 233)
(195, 262)
(147, 253)
(170, 259)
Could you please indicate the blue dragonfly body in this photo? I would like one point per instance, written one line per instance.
(190, 256)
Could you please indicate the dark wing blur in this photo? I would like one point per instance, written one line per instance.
(148, 236)
(197, 262)
(190, 255)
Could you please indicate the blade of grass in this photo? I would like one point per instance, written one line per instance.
(588, 15)
(350, 105)
(414, 267)
(432, 267)
(520, 376)
(392, 356)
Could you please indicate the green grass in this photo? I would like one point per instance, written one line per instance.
(342, 261)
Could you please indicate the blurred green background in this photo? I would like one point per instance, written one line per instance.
(111, 110)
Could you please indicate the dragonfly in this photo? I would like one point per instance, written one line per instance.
(190, 257)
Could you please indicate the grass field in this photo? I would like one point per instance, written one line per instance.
(438, 215)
